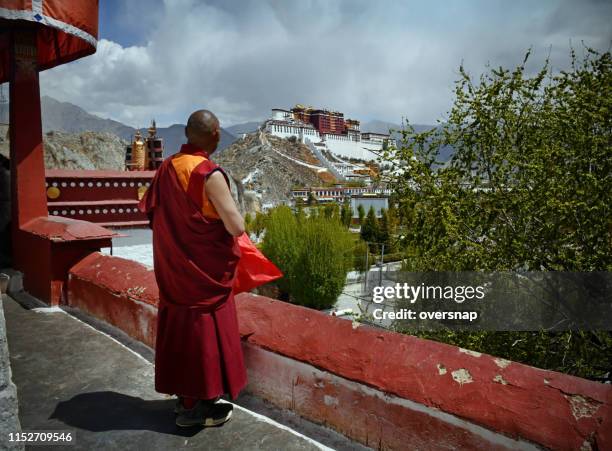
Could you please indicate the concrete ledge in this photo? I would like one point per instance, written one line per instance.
(9, 408)
(383, 389)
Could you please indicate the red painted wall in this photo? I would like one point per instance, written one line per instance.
(384, 389)
(103, 197)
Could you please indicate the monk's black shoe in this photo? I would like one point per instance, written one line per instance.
(205, 414)
(178, 407)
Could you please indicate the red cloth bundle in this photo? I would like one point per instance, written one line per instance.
(254, 269)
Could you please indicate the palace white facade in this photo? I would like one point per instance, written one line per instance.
(350, 144)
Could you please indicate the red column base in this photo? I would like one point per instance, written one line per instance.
(45, 249)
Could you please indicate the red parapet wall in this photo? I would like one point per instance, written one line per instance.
(121, 292)
(386, 390)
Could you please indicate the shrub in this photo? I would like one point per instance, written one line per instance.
(281, 244)
(370, 230)
(313, 253)
(360, 262)
(320, 270)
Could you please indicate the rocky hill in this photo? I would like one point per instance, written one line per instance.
(265, 168)
(86, 150)
(247, 127)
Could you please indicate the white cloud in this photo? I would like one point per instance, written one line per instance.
(379, 60)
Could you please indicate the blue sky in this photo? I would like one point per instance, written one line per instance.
(370, 59)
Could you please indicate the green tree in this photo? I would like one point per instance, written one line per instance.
(258, 224)
(299, 213)
(324, 260)
(393, 228)
(281, 244)
(528, 185)
(370, 230)
(360, 260)
(346, 215)
(528, 188)
(385, 232)
(314, 253)
(361, 213)
(330, 211)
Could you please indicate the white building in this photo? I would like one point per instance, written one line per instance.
(352, 144)
(378, 202)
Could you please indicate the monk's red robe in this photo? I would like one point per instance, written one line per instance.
(197, 350)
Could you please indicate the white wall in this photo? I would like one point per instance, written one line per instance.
(287, 130)
(280, 115)
(342, 145)
(353, 149)
(377, 202)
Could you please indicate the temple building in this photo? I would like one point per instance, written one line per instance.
(341, 136)
(145, 154)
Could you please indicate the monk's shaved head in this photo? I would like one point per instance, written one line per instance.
(202, 122)
(202, 130)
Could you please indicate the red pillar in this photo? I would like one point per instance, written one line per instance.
(27, 160)
(43, 248)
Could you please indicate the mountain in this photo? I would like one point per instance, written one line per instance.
(70, 118)
(376, 126)
(239, 129)
(174, 136)
(66, 117)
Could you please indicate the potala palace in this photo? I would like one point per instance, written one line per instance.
(327, 131)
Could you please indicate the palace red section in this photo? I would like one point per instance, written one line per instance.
(384, 389)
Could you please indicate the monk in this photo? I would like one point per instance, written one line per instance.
(195, 222)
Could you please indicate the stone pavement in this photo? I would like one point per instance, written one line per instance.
(70, 376)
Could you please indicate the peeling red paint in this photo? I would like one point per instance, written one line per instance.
(408, 367)
(121, 292)
(119, 276)
(362, 414)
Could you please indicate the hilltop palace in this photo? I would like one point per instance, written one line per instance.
(328, 131)
(342, 148)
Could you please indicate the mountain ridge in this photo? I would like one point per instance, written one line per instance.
(70, 118)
